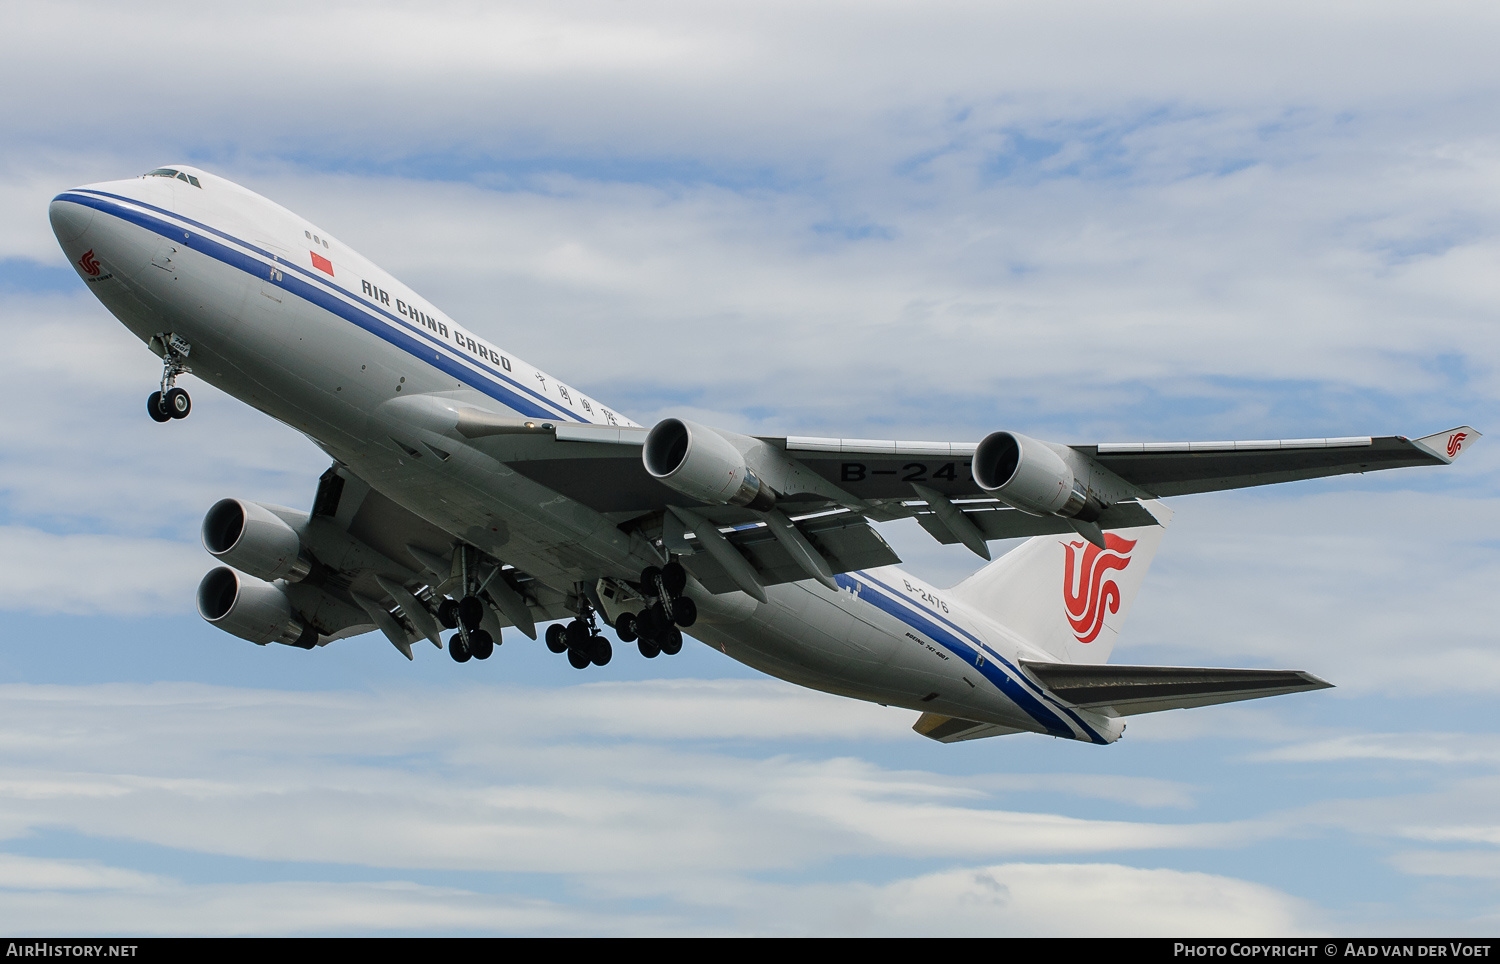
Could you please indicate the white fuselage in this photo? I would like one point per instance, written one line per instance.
(336, 349)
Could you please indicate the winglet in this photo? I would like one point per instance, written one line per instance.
(1447, 445)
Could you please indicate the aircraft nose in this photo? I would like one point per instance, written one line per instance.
(70, 220)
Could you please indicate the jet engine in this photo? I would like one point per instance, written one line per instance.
(1031, 476)
(252, 609)
(703, 463)
(252, 538)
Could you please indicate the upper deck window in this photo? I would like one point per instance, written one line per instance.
(180, 175)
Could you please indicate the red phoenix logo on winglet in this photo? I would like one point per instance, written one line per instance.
(88, 264)
(1086, 593)
(1456, 442)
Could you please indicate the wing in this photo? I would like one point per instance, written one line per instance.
(747, 512)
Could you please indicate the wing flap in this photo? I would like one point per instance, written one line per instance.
(845, 540)
(998, 521)
(1131, 690)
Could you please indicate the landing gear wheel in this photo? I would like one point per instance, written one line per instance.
(648, 649)
(557, 638)
(470, 612)
(176, 403)
(671, 641)
(651, 622)
(684, 612)
(577, 635)
(481, 644)
(155, 408)
(649, 575)
(578, 659)
(625, 628)
(600, 651)
(459, 649)
(447, 614)
(673, 578)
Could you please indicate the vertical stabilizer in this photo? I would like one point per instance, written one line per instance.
(1063, 594)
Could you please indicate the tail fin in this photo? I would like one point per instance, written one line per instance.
(1063, 594)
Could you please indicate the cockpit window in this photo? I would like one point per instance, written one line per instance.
(180, 175)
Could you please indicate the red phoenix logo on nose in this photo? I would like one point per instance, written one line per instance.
(88, 264)
(1456, 442)
(1087, 594)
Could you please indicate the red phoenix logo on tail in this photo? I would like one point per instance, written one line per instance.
(1087, 594)
(88, 264)
(1456, 442)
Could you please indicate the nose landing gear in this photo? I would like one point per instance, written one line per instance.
(171, 402)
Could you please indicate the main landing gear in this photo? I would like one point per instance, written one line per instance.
(655, 628)
(170, 402)
(581, 640)
(465, 614)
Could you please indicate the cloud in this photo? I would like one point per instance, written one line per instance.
(1023, 900)
(1450, 748)
(557, 795)
(91, 573)
(1449, 863)
(1001, 900)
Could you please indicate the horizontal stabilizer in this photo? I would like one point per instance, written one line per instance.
(1130, 690)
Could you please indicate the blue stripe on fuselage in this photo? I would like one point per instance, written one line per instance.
(511, 393)
(963, 644)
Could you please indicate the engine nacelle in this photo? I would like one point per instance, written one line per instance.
(252, 609)
(704, 464)
(1031, 476)
(253, 539)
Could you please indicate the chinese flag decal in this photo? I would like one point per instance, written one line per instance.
(322, 263)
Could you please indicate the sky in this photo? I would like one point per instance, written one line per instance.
(1082, 221)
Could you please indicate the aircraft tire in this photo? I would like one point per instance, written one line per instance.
(447, 614)
(648, 649)
(600, 651)
(649, 575)
(671, 642)
(155, 409)
(673, 578)
(557, 638)
(578, 660)
(176, 403)
(651, 621)
(470, 612)
(684, 612)
(481, 644)
(458, 649)
(577, 635)
(625, 628)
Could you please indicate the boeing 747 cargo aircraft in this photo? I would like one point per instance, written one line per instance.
(472, 491)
